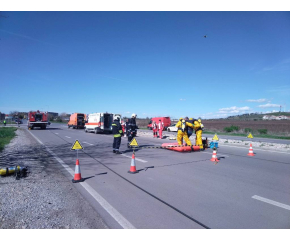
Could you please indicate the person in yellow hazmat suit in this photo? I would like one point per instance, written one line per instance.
(198, 127)
(182, 133)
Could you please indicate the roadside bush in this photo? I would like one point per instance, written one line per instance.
(248, 130)
(58, 119)
(262, 131)
(231, 128)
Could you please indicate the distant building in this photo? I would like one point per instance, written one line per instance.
(54, 114)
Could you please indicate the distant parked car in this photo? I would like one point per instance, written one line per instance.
(172, 128)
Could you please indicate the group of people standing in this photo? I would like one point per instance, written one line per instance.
(129, 128)
(157, 127)
(185, 128)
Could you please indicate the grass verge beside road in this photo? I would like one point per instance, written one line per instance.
(58, 122)
(245, 135)
(6, 135)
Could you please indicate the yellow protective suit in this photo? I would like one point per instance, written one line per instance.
(198, 131)
(181, 133)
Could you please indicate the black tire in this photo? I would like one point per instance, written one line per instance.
(68, 126)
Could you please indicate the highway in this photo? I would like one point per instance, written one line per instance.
(178, 190)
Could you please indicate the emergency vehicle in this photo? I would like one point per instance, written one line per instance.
(100, 122)
(166, 121)
(37, 119)
(77, 120)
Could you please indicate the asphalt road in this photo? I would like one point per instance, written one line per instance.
(183, 190)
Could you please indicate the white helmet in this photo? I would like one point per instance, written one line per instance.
(117, 118)
(134, 115)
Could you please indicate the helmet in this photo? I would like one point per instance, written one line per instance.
(186, 118)
(117, 118)
(199, 120)
(180, 119)
(134, 115)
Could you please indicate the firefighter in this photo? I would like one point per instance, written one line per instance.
(118, 132)
(4, 122)
(131, 128)
(154, 128)
(160, 128)
(181, 133)
(198, 127)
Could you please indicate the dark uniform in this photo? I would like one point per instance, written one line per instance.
(118, 132)
(131, 128)
(189, 129)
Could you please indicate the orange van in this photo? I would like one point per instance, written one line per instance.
(77, 120)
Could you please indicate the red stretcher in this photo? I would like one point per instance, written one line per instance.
(183, 148)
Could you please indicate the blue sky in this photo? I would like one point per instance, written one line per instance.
(148, 63)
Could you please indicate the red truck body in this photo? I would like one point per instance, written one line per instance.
(166, 121)
(37, 119)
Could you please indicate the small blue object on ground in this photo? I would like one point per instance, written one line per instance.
(213, 144)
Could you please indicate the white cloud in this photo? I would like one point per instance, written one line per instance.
(181, 99)
(233, 109)
(257, 100)
(269, 105)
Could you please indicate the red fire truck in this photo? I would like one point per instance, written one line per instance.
(37, 119)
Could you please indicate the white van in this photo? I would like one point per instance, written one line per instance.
(100, 122)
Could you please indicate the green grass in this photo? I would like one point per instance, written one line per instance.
(245, 135)
(58, 122)
(6, 134)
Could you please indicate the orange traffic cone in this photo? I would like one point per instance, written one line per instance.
(133, 165)
(251, 153)
(78, 177)
(214, 157)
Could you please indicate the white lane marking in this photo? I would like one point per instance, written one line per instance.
(67, 137)
(109, 208)
(137, 159)
(266, 200)
(216, 153)
(255, 149)
(88, 143)
(56, 133)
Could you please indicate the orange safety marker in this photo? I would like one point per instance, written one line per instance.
(78, 177)
(251, 153)
(133, 165)
(214, 156)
